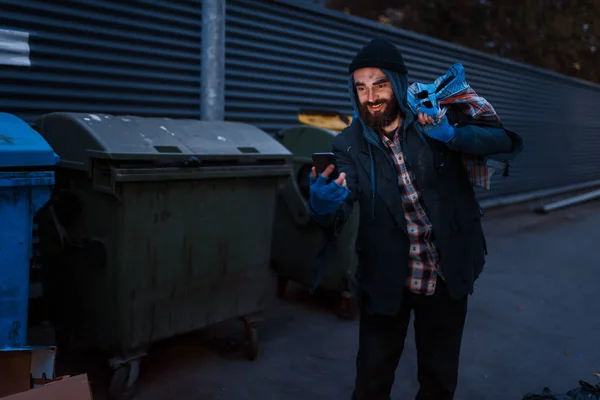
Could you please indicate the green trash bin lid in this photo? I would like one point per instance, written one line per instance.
(79, 138)
(304, 140)
(21, 146)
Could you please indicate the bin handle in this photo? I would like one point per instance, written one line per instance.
(191, 162)
(153, 174)
(62, 232)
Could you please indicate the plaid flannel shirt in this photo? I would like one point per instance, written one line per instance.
(452, 88)
(424, 265)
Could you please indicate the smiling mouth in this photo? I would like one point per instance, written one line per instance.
(375, 107)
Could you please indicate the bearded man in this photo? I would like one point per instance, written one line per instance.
(420, 241)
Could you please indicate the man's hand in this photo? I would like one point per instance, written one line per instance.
(341, 180)
(427, 117)
(438, 129)
(325, 198)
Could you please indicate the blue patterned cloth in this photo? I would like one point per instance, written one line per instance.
(452, 88)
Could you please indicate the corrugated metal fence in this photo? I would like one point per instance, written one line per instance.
(144, 58)
(139, 57)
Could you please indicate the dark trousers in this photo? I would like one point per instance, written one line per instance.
(438, 324)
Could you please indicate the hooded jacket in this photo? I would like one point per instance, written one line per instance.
(447, 194)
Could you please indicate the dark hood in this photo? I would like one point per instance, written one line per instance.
(382, 54)
(400, 86)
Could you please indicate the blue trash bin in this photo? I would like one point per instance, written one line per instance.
(26, 182)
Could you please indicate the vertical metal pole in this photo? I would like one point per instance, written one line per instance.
(212, 91)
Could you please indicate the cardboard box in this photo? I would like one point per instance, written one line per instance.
(24, 368)
(68, 388)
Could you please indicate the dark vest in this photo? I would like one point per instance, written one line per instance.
(383, 244)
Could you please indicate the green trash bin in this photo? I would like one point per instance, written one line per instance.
(302, 251)
(165, 227)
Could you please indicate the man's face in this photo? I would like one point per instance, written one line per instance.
(378, 105)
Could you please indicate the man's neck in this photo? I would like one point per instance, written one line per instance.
(393, 127)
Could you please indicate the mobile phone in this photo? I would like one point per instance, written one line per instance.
(322, 161)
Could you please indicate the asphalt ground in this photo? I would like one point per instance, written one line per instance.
(534, 321)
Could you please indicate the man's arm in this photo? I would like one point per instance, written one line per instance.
(346, 165)
(483, 139)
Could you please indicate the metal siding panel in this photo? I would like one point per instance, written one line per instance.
(144, 58)
(105, 57)
(283, 56)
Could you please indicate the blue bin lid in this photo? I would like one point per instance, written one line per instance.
(21, 146)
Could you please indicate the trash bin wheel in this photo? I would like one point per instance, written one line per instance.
(123, 383)
(347, 307)
(252, 340)
(282, 284)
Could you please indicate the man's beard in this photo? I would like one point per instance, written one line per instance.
(380, 119)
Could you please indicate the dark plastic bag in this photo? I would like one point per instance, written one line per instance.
(585, 391)
(546, 394)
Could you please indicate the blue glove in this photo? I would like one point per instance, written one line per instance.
(440, 130)
(325, 198)
(432, 112)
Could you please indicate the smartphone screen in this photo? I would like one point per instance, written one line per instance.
(323, 160)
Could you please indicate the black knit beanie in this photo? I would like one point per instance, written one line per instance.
(379, 53)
